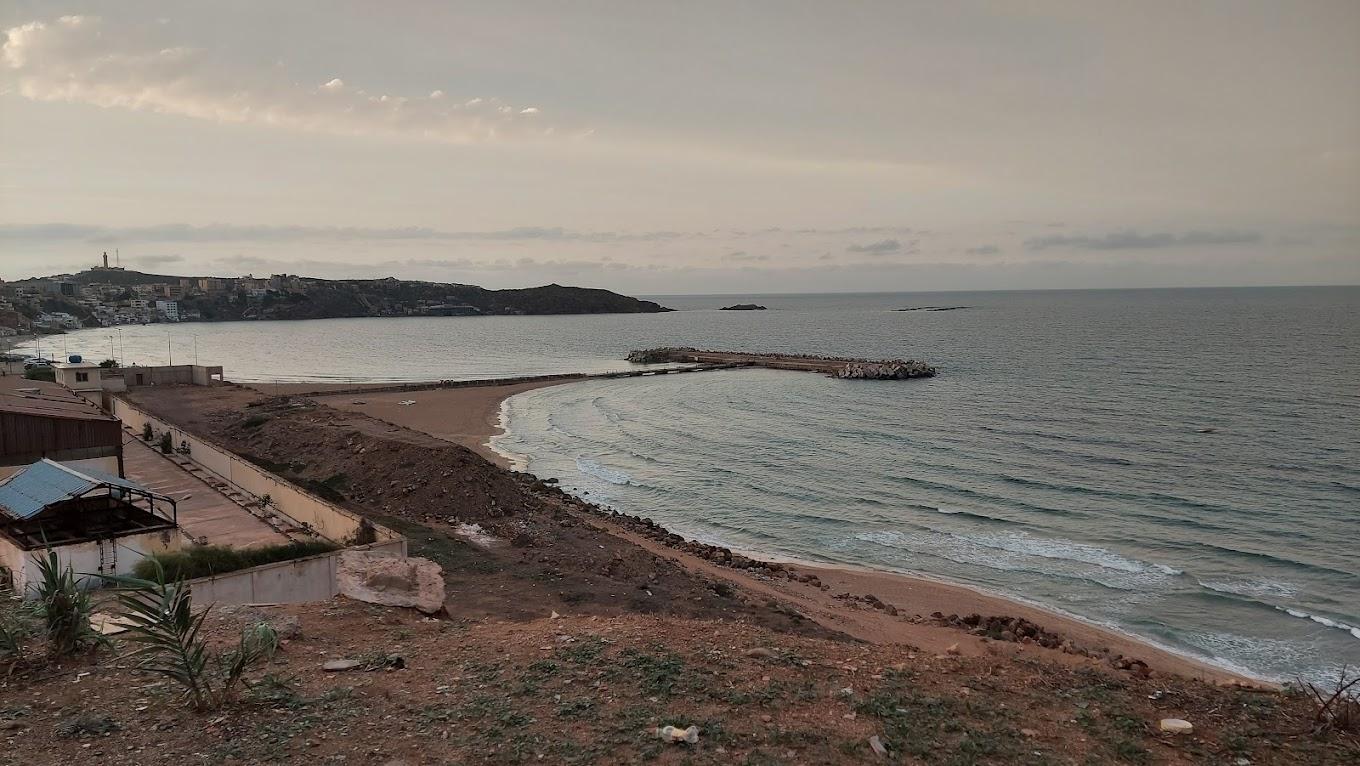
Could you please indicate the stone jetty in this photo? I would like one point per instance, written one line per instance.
(837, 367)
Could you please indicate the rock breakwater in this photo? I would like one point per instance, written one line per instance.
(835, 366)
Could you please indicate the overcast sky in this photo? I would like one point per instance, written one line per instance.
(660, 148)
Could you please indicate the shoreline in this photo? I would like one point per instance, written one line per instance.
(468, 415)
(919, 596)
(473, 416)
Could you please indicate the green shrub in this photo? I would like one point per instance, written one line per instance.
(147, 433)
(205, 560)
(65, 607)
(41, 373)
(167, 445)
(12, 635)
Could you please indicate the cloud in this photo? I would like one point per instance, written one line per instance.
(1129, 239)
(881, 247)
(983, 250)
(221, 232)
(81, 59)
(741, 256)
(157, 260)
(856, 230)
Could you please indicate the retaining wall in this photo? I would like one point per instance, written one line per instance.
(283, 582)
(328, 520)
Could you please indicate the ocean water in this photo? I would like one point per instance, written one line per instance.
(1183, 465)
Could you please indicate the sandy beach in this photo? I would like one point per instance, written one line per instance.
(470, 417)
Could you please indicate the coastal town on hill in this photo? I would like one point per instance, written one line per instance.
(108, 295)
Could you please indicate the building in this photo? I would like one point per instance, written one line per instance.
(106, 266)
(79, 376)
(95, 522)
(169, 310)
(42, 420)
(58, 287)
(58, 320)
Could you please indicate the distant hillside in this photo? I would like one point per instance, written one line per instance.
(308, 298)
(117, 277)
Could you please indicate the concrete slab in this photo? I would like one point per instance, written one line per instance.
(203, 510)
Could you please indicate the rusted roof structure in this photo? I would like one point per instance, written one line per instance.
(47, 421)
(26, 493)
(48, 504)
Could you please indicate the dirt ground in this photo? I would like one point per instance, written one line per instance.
(545, 556)
(774, 663)
(586, 689)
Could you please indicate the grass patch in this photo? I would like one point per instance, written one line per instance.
(332, 488)
(657, 675)
(207, 560)
(255, 421)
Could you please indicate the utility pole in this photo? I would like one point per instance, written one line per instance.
(170, 350)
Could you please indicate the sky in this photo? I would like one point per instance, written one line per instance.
(705, 147)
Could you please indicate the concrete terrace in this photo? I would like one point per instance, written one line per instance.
(204, 510)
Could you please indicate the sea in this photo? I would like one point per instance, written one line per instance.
(1181, 465)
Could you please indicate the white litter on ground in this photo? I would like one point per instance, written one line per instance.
(474, 534)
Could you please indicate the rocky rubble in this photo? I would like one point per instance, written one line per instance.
(836, 366)
(897, 369)
(659, 355)
(1020, 630)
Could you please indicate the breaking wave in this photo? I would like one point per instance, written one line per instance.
(593, 468)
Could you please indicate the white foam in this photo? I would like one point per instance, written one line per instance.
(1324, 621)
(1068, 550)
(593, 468)
(1012, 552)
(1257, 587)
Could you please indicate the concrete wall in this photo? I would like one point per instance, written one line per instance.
(328, 520)
(117, 556)
(284, 582)
(166, 375)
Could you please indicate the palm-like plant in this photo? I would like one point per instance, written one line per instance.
(11, 638)
(65, 606)
(162, 622)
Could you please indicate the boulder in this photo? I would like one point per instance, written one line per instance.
(340, 666)
(376, 578)
(1175, 726)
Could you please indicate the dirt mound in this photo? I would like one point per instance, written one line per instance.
(510, 544)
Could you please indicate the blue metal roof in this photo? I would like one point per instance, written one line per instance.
(26, 493)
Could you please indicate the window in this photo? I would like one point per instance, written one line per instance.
(82, 377)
